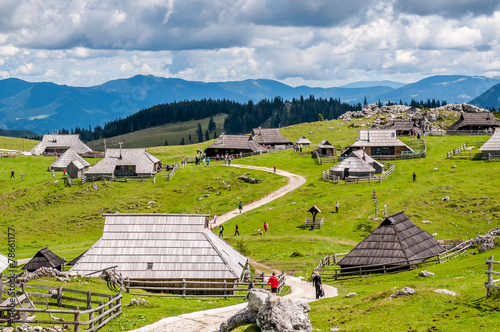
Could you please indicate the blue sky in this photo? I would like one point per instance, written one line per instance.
(316, 42)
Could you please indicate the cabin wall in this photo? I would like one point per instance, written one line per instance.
(200, 283)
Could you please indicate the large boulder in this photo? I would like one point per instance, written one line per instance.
(280, 314)
(257, 298)
(245, 316)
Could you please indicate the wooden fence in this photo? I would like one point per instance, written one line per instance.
(172, 172)
(459, 151)
(393, 267)
(468, 132)
(106, 307)
(309, 223)
(187, 288)
(490, 284)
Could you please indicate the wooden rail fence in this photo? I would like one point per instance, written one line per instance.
(459, 151)
(490, 284)
(326, 175)
(309, 223)
(106, 307)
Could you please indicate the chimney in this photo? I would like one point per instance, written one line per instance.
(120, 143)
(259, 130)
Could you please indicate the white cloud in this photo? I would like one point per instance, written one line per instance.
(9, 50)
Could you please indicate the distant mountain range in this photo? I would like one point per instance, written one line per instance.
(490, 98)
(46, 107)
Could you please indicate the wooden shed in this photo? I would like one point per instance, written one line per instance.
(233, 144)
(475, 121)
(126, 162)
(67, 157)
(378, 166)
(58, 144)
(163, 247)
(303, 140)
(404, 128)
(352, 167)
(397, 241)
(269, 136)
(44, 258)
(492, 146)
(325, 148)
(378, 143)
(75, 169)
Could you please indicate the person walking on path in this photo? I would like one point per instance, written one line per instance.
(240, 206)
(317, 283)
(215, 218)
(221, 231)
(12, 174)
(22, 175)
(265, 227)
(250, 287)
(414, 177)
(274, 282)
(236, 231)
(274, 168)
(337, 206)
(229, 161)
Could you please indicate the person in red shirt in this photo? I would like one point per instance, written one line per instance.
(265, 227)
(274, 282)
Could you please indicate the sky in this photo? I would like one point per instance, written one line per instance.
(321, 43)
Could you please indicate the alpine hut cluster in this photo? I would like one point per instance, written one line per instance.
(58, 144)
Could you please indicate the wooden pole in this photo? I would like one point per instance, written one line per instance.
(490, 277)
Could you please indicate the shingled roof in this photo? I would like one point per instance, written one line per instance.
(303, 140)
(44, 258)
(493, 143)
(325, 144)
(143, 161)
(395, 241)
(236, 142)
(67, 157)
(271, 136)
(378, 138)
(61, 142)
(355, 165)
(474, 121)
(178, 247)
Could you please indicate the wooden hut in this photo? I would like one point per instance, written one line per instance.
(75, 169)
(163, 247)
(325, 148)
(44, 258)
(270, 136)
(67, 157)
(233, 144)
(4, 262)
(395, 242)
(475, 121)
(491, 148)
(377, 143)
(303, 140)
(126, 162)
(58, 144)
(352, 167)
(378, 166)
(404, 128)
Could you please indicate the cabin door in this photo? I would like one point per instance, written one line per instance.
(346, 173)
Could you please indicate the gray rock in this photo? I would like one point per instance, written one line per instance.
(404, 291)
(445, 198)
(37, 329)
(425, 273)
(445, 291)
(245, 316)
(257, 298)
(280, 314)
(134, 302)
(351, 294)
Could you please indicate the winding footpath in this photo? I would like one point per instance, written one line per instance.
(210, 320)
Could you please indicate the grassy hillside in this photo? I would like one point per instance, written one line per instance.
(68, 220)
(156, 136)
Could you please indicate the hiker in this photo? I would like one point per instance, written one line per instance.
(208, 161)
(240, 206)
(215, 218)
(236, 231)
(337, 206)
(250, 287)
(64, 171)
(22, 175)
(53, 173)
(229, 161)
(414, 177)
(300, 147)
(12, 174)
(265, 227)
(318, 285)
(221, 231)
(274, 282)
(274, 168)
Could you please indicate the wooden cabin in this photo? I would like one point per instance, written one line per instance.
(492, 146)
(44, 258)
(270, 136)
(404, 128)
(352, 167)
(303, 140)
(475, 122)
(378, 166)
(377, 143)
(396, 242)
(233, 144)
(67, 157)
(326, 149)
(52, 145)
(75, 169)
(163, 247)
(126, 162)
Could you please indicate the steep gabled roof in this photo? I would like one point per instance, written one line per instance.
(395, 240)
(269, 136)
(61, 141)
(179, 247)
(302, 140)
(236, 142)
(66, 158)
(481, 119)
(379, 138)
(144, 162)
(325, 144)
(354, 164)
(493, 143)
(365, 157)
(44, 258)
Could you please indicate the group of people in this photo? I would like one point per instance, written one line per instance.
(274, 282)
(13, 174)
(297, 148)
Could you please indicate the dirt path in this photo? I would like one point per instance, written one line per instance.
(210, 320)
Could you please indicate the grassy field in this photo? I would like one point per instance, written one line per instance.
(68, 220)
(157, 136)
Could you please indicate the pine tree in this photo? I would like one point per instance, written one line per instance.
(199, 132)
(207, 135)
(215, 134)
(182, 141)
(166, 143)
(211, 124)
(365, 103)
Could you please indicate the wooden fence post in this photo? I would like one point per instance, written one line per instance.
(89, 299)
(490, 277)
(263, 278)
(183, 287)
(77, 320)
(91, 316)
(225, 287)
(59, 296)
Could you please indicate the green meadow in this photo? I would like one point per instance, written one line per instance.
(45, 212)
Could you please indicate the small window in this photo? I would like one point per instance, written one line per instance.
(150, 266)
